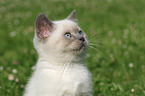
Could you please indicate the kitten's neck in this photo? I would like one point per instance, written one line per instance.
(59, 60)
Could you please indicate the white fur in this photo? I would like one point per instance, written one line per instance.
(58, 73)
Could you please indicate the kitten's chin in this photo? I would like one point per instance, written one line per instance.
(80, 50)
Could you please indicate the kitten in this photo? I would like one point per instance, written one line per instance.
(60, 70)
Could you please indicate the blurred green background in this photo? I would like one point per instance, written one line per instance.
(115, 27)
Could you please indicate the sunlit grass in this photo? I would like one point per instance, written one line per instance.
(118, 25)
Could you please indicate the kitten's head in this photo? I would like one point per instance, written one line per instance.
(59, 38)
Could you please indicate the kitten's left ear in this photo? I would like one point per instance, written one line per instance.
(43, 26)
(72, 16)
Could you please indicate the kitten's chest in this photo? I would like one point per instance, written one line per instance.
(73, 79)
(73, 73)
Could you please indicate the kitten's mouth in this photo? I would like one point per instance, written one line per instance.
(80, 49)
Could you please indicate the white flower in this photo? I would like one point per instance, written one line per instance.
(132, 90)
(11, 77)
(130, 65)
(1, 68)
(14, 70)
(17, 80)
(22, 86)
(110, 33)
(126, 31)
(12, 34)
(113, 40)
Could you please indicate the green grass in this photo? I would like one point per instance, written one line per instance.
(119, 26)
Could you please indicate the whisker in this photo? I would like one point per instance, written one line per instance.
(62, 71)
(96, 49)
(63, 68)
(92, 36)
(82, 20)
(81, 56)
(96, 45)
(97, 38)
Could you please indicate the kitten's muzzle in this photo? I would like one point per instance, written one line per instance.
(82, 39)
(81, 48)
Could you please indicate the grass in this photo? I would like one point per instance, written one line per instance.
(120, 36)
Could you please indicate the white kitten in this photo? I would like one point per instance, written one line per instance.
(60, 69)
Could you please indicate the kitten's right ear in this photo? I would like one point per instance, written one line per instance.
(72, 16)
(43, 26)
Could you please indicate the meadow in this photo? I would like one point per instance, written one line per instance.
(116, 31)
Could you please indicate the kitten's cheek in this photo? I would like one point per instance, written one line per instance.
(73, 45)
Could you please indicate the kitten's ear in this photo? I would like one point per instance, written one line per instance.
(72, 16)
(43, 26)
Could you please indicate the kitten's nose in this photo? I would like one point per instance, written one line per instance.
(82, 39)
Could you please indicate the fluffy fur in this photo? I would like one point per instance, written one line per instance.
(60, 69)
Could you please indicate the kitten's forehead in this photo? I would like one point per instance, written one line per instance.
(67, 25)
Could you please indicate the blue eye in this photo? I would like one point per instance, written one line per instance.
(68, 35)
